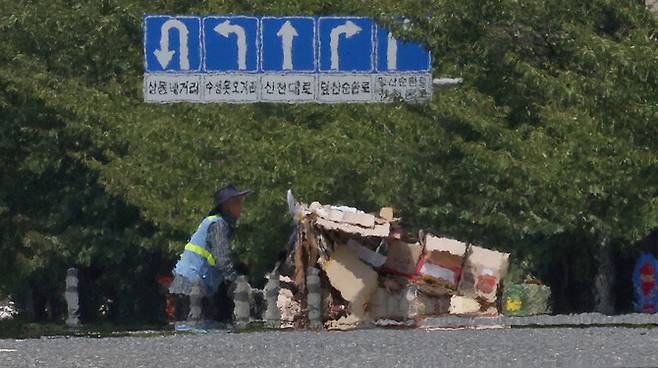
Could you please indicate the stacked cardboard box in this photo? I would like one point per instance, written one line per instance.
(484, 269)
(371, 271)
(442, 261)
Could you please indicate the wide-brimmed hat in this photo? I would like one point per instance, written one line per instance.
(227, 192)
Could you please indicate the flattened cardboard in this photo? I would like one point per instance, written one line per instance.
(432, 305)
(378, 304)
(347, 323)
(445, 259)
(314, 206)
(380, 231)
(366, 255)
(386, 213)
(405, 304)
(452, 246)
(361, 219)
(355, 280)
(432, 289)
(403, 257)
(463, 305)
(288, 307)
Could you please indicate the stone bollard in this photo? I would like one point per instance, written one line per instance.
(241, 296)
(196, 313)
(313, 298)
(72, 298)
(272, 314)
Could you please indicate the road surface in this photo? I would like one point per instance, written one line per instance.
(518, 347)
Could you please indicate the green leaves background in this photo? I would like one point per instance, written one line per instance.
(548, 147)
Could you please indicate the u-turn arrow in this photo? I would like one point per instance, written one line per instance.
(164, 55)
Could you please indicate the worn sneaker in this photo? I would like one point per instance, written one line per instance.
(181, 327)
(198, 330)
(186, 327)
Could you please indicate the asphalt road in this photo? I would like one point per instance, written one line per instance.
(554, 347)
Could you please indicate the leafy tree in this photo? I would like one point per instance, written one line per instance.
(548, 149)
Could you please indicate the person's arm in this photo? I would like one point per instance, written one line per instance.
(221, 248)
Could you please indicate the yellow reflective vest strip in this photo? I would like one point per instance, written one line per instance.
(202, 252)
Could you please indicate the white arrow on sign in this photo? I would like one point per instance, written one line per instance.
(287, 33)
(391, 52)
(349, 29)
(164, 55)
(227, 28)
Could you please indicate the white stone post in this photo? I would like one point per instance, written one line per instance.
(72, 298)
(272, 314)
(241, 297)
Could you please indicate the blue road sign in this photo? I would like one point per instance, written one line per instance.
(237, 58)
(288, 44)
(231, 43)
(172, 44)
(398, 56)
(345, 44)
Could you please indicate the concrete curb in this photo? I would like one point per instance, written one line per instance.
(562, 320)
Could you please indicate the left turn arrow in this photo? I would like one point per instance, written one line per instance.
(225, 29)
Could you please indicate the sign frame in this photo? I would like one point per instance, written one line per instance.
(257, 84)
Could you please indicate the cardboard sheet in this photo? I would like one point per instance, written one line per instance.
(406, 304)
(463, 305)
(366, 255)
(403, 257)
(355, 280)
(381, 231)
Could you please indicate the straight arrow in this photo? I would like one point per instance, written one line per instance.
(349, 29)
(391, 52)
(227, 28)
(287, 33)
(164, 55)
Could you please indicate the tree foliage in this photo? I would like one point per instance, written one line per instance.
(550, 145)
